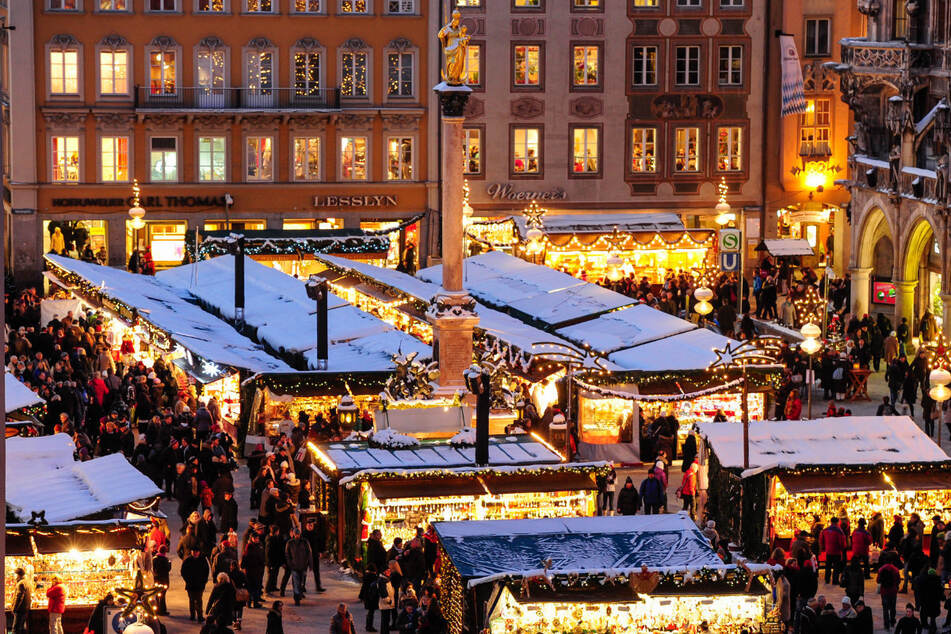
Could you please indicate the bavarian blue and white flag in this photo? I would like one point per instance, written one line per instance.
(794, 97)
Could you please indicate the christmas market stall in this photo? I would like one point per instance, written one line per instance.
(147, 319)
(81, 521)
(797, 469)
(652, 245)
(640, 573)
(396, 483)
(281, 316)
(24, 408)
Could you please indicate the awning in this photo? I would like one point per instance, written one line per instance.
(596, 594)
(785, 246)
(19, 544)
(816, 483)
(85, 538)
(203, 372)
(376, 293)
(922, 481)
(539, 483)
(426, 488)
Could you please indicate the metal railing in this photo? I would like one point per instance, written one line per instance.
(201, 98)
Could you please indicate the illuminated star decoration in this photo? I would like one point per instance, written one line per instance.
(938, 354)
(809, 307)
(139, 598)
(534, 214)
(762, 351)
(586, 361)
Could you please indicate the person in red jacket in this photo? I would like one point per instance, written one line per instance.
(688, 490)
(832, 542)
(861, 541)
(56, 598)
(889, 577)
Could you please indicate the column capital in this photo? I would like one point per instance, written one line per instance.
(859, 272)
(905, 286)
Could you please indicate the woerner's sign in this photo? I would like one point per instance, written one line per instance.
(505, 191)
(358, 200)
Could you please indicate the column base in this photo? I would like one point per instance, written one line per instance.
(453, 318)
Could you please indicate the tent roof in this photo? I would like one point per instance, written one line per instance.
(632, 326)
(691, 350)
(173, 310)
(849, 440)
(17, 395)
(42, 476)
(583, 545)
(604, 222)
(285, 318)
(786, 246)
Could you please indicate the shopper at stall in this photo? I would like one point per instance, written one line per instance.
(832, 542)
(22, 599)
(56, 604)
(651, 493)
(888, 580)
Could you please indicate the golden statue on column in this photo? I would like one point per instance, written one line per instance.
(455, 42)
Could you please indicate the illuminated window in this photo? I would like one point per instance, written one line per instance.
(401, 6)
(644, 63)
(399, 159)
(688, 66)
(586, 65)
(112, 5)
(354, 83)
(585, 4)
(353, 158)
(731, 65)
(260, 72)
(307, 158)
(114, 158)
(260, 158)
(64, 5)
(817, 36)
(638, 4)
(474, 65)
(162, 73)
(643, 150)
(307, 6)
(113, 72)
(65, 157)
(584, 158)
(212, 161)
(64, 72)
(162, 5)
(527, 65)
(526, 151)
(527, 4)
(307, 73)
(211, 6)
(163, 159)
(730, 149)
(259, 6)
(210, 72)
(815, 128)
(353, 6)
(399, 74)
(468, 3)
(687, 150)
(472, 146)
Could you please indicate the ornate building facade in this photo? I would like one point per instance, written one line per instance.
(895, 81)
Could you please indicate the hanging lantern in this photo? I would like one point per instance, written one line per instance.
(703, 295)
(614, 265)
(347, 412)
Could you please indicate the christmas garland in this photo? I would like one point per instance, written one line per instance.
(656, 398)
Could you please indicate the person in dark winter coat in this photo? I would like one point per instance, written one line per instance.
(376, 553)
(275, 619)
(221, 601)
(854, 580)
(298, 558)
(273, 557)
(828, 622)
(342, 621)
(863, 623)
(253, 565)
(628, 499)
(930, 598)
(161, 572)
(370, 595)
(195, 573)
(652, 493)
(228, 513)
(908, 624)
(317, 539)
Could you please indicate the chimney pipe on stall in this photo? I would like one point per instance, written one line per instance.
(317, 290)
(238, 280)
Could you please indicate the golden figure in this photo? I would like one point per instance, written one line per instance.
(455, 43)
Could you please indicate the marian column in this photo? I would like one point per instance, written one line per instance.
(452, 311)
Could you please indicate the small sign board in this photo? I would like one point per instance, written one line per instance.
(730, 240)
(729, 262)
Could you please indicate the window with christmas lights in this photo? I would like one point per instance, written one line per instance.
(353, 74)
(399, 73)
(353, 158)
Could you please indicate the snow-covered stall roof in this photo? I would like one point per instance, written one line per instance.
(625, 328)
(42, 476)
(531, 291)
(576, 545)
(17, 395)
(351, 457)
(604, 223)
(786, 246)
(173, 310)
(691, 350)
(278, 308)
(849, 440)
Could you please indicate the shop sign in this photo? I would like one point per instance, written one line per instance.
(729, 261)
(505, 191)
(153, 202)
(730, 240)
(358, 200)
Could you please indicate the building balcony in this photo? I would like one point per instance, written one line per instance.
(248, 99)
(815, 149)
(863, 57)
(913, 182)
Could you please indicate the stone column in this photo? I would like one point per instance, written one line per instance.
(860, 289)
(946, 306)
(452, 311)
(905, 302)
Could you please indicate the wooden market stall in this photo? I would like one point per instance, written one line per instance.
(24, 408)
(81, 521)
(797, 469)
(654, 573)
(409, 483)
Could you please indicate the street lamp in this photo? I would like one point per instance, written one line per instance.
(725, 213)
(703, 295)
(136, 213)
(810, 346)
(939, 378)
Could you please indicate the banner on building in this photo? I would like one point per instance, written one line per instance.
(794, 97)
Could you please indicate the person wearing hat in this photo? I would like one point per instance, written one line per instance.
(846, 611)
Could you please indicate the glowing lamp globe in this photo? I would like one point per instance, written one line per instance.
(810, 346)
(810, 331)
(703, 294)
(940, 393)
(614, 265)
(703, 307)
(940, 376)
(138, 628)
(347, 412)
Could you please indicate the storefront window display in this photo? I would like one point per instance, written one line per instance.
(76, 235)
(88, 576)
(605, 421)
(815, 225)
(703, 410)
(164, 240)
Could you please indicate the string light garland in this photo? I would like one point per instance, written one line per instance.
(654, 398)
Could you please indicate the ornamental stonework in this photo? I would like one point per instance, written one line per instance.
(114, 119)
(588, 27)
(354, 121)
(401, 122)
(474, 109)
(309, 121)
(528, 26)
(64, 119)
(527, 108)
(586, 107)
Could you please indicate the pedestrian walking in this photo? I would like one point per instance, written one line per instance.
(275, 618)
(195, 571)
(299, 558)
(161, 572)
(342, 621)
(369, 594)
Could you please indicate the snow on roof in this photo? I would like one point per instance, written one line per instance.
(691, 350)
(788, 246)
(350, 457)
(173, 311)
(398, 280)
(625, 328)
(17, 395)
(278, 308)
(42, 476)
(535, 292)
(604, 223)
(850, 440)
(576, 545)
